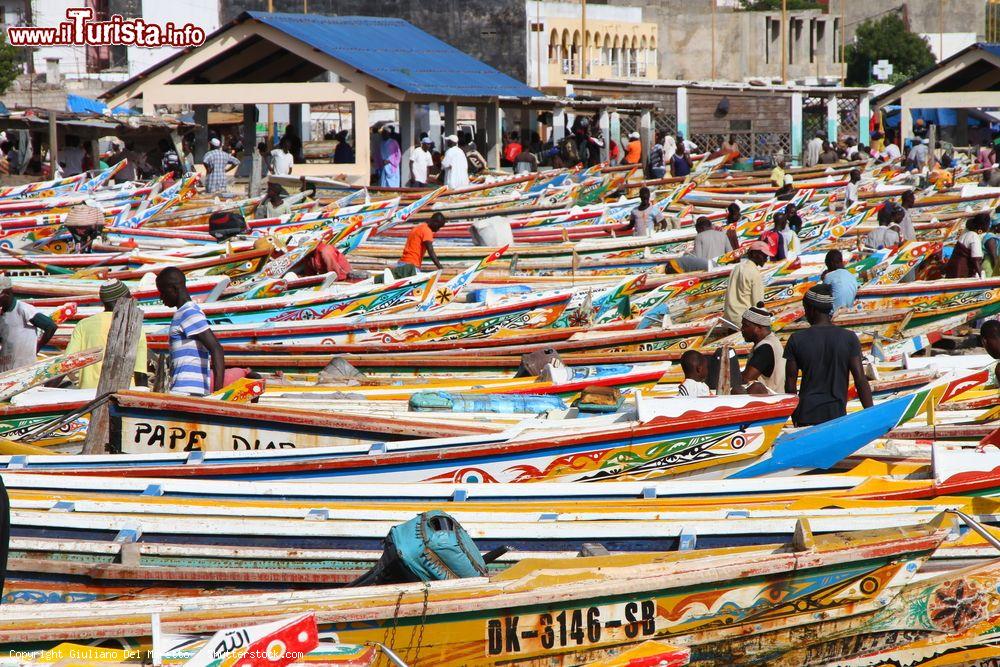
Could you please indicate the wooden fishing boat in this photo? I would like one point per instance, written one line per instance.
(453, 323)
(935, 300)
(665, 438)
(538, 609)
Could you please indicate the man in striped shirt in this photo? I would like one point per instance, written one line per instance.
(217, 162)
(192, 343)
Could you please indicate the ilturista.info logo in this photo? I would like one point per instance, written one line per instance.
(80, 29)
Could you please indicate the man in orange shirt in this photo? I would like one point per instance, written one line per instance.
(419, 241)
(633, 150)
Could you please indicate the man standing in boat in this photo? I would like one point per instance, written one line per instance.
(192, 343)
(419, 241)
(746, 284)
(826, 355)
(20, 323)
(765, 370)
(93, 332)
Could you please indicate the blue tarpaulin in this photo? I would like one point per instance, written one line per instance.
(81, 104)
(941, 117)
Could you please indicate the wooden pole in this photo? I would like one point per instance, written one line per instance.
(843, 41)
(116, 373)
(940, 30)
(713, 38)
(270, 107)
(583, 26)
(53, 144)
(538, 43)
(723, 387)
(784, 40)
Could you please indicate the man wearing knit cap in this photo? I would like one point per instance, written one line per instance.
(93, 332)
(20, 323)
(84, 224)
(746, 284)
(765, 370)
(826, 355)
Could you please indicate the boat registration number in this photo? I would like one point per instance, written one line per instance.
(570, 628)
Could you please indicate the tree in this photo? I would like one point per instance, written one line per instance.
(886, 38)
(10, 65)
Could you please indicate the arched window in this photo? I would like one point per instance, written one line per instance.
(642, 56)
(616, 57)
(632, 59)
(554, 46)
(651, 67)
(606, 51)
(564, 48)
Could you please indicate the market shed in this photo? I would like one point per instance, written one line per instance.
(970, 79)
(296, 59)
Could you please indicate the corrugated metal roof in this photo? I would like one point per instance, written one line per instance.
(397, 53)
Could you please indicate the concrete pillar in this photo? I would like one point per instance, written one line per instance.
(961, 127)
(53, 76)
(297, 120)
(682, 112)
(524, 129)
(249, 128)
(905, 122)
(201, 132)
(482, 123)
(832, 118)
(646, 134)
(362, 138)
(449, 122)
(796, 129)
(95, 152)
(864, 118)
(407, 139)
(435, 123)
(493, 131)
(558, 125)
(604, 122)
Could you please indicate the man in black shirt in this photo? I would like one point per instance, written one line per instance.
(825, 354)
(765, 371)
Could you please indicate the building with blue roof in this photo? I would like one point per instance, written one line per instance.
(296, 59)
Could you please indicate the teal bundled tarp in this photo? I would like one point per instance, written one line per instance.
(444, 401)
(433, 546)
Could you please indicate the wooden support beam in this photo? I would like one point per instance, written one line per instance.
(116, 373)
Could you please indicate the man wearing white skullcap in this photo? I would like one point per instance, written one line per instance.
(765, 370)
(217, 162)
(826, 355)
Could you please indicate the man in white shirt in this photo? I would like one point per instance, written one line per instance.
(892, 152)
(851, 191)
(71, 156)
(918, 154)
(813, 149)
(420, 161)
(455, 165)
(281, 159)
